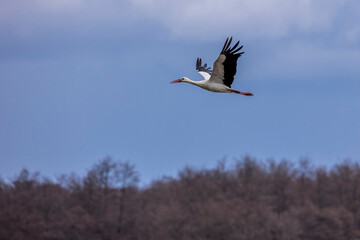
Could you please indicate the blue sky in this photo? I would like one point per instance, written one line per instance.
(82, 79)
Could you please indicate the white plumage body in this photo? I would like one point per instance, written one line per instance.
(209, 85)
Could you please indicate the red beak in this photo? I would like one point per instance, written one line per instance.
(176, 81)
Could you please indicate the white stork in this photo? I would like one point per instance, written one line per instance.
(221, 78)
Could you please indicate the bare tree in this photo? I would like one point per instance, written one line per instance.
(246, 201)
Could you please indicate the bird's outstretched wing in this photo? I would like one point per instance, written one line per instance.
(204, 70)
(225, 66)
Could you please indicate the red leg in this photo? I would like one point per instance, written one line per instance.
(243, 93)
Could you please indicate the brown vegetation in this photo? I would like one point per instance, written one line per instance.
(249, 200)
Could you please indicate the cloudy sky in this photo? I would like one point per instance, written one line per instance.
(85, 79)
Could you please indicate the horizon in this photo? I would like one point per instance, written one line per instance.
(223, 162)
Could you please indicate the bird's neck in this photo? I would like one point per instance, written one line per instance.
(197, 83)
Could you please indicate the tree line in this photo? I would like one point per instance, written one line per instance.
(247, 200)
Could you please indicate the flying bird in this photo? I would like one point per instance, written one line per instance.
(222, 76)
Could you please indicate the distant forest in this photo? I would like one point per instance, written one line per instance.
(248, 200)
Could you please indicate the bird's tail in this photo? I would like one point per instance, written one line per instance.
(242, 93)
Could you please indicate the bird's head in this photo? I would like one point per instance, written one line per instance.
(183, 79)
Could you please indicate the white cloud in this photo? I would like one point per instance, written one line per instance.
(199, 19)
(188, 19)
(261, 18)
(35, 17)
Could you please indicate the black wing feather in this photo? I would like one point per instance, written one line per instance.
(203, 68)
(230, 62)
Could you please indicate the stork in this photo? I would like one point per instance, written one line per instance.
(222, 76)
